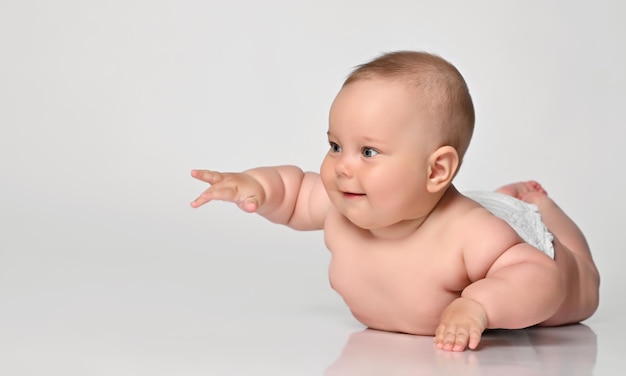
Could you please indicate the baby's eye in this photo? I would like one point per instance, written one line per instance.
(369, 152)
(334, 148)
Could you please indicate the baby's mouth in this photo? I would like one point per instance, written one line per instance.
(352, 195)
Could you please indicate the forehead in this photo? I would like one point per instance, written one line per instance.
(377, 104)
(374, 90)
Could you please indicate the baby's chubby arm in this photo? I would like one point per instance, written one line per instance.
(282, 194)
(514, 286)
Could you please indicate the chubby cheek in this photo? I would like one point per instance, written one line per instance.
(395, 191)
(327, 173)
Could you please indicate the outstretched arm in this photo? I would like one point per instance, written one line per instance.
(282, 194)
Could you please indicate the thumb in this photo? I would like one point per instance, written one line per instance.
(249, 205)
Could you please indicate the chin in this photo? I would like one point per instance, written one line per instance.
(364, 224)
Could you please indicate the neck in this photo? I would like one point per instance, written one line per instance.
(397, 231)
(407, 227)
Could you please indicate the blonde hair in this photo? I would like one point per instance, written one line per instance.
(439, 83)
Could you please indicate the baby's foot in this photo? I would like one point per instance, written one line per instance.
(525, 190)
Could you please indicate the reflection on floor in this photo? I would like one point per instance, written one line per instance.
(569, 350)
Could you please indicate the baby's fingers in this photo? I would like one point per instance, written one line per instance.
(249, 204)
(462, 324)
(207, 176)
(474, 339)
(239, 188)
(451, 338)
(223, 194)
(456, 338)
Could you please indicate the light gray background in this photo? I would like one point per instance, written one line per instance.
(105, 107)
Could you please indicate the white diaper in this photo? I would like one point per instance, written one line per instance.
(523, 217)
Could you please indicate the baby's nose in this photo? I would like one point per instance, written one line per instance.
(344, 167)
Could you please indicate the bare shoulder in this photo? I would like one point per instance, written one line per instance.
(484, 238)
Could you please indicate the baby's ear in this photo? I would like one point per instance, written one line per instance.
(442, 166)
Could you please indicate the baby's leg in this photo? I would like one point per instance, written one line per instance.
(571, 253)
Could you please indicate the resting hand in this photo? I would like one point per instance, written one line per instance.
(240, 188)
(462, 324)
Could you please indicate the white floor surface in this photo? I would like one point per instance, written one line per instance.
(264, 310)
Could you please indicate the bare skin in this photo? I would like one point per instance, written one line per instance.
(572, 255)
(409, 252)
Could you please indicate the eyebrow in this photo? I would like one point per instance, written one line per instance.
(365, 139)
(370, 139)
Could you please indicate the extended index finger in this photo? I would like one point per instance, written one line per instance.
(207, 176)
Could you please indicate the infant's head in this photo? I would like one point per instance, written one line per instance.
(439, 89)
(397, 131)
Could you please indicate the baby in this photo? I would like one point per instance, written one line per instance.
(409, 252)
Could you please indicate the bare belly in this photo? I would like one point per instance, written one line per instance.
(407, 307)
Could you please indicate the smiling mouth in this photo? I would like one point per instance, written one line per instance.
(352, 196)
